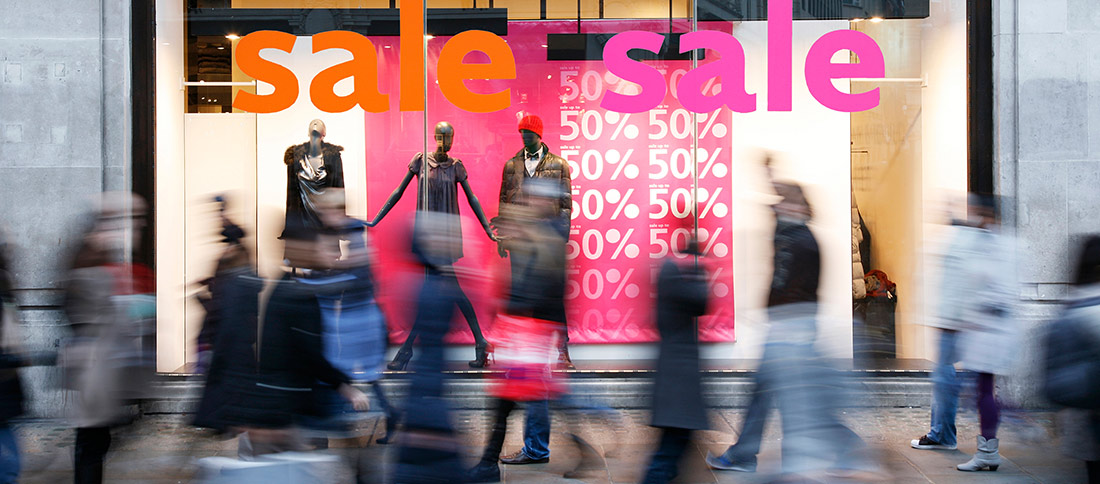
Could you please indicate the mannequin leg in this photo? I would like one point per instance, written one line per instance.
(468, 312)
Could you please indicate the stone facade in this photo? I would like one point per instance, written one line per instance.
(64, 137)
(1047, 125)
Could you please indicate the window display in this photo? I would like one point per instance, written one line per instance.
(634, 185)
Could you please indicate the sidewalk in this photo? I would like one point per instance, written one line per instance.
(162, 449)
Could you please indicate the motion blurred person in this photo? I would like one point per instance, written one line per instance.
(356, 330)
(533, 335)
(678, 407)
(291, 358)
(791, 373)
(1073, 356)
(233, 256)
(538, 235)
(13, 355)
(229, 331)
(978, 328)
(108, 300)
(429, 447)
(11, 387)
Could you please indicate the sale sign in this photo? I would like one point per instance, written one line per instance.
(638, 182)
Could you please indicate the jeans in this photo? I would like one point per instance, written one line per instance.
(752, 430)
(806, 391)
(945, 391)
(536, 430)
(9, 456)
(665, 463)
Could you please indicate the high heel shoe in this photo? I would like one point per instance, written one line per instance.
(400, 360)
(483, 352)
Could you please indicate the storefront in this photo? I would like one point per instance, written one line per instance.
(641, 182)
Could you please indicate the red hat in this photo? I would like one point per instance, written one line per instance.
(531, 123)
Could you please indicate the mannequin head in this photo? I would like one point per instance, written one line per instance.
(444, 137)
(530, 130)
(317, 133)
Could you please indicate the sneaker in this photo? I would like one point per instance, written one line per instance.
(721, 462)
(925, 443)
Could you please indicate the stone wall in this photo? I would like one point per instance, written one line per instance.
(1047, 122)
(64, 137)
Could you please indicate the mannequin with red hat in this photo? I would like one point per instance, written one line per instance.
(439, 180)
(536, 161)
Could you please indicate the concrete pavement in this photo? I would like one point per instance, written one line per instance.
(162, 449)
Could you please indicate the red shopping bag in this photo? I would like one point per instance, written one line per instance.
(526, 352)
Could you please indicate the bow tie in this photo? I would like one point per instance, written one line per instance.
(532, 156)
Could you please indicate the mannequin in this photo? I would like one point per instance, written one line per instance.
(311, 168)
(536, 161)
(436, 192)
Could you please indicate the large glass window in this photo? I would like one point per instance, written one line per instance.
(639, 184)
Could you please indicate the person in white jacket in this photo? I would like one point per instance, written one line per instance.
(975, 314)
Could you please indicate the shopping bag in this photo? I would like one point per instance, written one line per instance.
(526, 356)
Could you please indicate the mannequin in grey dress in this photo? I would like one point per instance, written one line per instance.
(438, 181)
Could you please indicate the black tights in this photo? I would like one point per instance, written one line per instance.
(464, 305)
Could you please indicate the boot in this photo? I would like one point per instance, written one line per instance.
(563, 359)
(987, 457)
(400, 360)
(482, 352)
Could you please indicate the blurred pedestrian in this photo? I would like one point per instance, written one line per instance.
(429, 446)
(291, 358)
(11, 358)
(229, 331)
(233, 256)
(1073, 362)
(110, 304)
(678, 407)
(792, 374)
(538, 232)
(533, 325)
(978, 328)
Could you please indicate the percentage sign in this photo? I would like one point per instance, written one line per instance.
(622, 124)
(622, 164)
(622, 282)
(622, 203)
(623, 242)
(711, 202)
(710, 125)
(713, 246)
(702, 154)
(719, 289)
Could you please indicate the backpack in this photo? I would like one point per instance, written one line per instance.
(1072, 361)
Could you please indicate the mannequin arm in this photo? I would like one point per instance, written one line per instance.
(390, 202)
(476, 205)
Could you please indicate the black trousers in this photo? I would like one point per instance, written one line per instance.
(503, 409)
(89, 453)
(665, 463)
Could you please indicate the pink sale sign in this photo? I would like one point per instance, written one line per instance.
(633, 186)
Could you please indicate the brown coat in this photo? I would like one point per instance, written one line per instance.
(552, 166)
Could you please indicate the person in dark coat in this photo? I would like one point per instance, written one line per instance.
(11, 388)
(678, 407)
(429, 446)
(229, 329)
(291, 358)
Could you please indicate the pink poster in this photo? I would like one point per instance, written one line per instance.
(632, 187)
